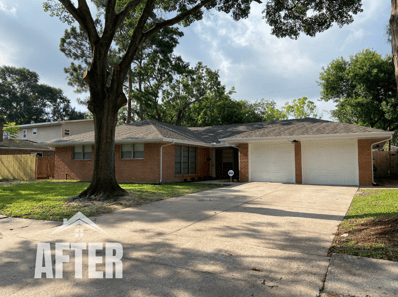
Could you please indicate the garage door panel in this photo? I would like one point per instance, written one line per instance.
(272, 162)
(330, 162)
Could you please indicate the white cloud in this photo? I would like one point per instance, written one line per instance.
(6, 7)
(6, 55)
(279, 56)
(371, 11)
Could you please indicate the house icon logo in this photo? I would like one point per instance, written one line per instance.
(78, 219)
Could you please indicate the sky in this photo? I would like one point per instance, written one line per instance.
(257, 64)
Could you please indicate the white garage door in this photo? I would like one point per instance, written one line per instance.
(272, 162)
(330, 162)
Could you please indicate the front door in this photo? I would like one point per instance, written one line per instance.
(227, 159)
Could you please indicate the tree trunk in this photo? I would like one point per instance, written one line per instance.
(103, 184)
(394, 36)
(141, 105)
(129, 99)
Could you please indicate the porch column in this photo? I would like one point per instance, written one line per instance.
(297, 162)
(243, 162)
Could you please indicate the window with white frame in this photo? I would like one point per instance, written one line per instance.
(185, 160)
(67, 132)
(132, 151)
(82, 152)
(34, 132)
(24, 133)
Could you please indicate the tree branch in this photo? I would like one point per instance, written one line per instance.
(109, 14)
(125, 11)
(113, 21)
(83, 16)
(174, 20)
(136, 38)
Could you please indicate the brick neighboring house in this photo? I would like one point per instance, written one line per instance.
(307, 151)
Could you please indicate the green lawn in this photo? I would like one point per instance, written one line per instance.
(48, 200)
(370, 228)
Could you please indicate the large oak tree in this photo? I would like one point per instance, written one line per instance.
(286, 17)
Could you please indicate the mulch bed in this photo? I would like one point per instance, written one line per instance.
(368, 233)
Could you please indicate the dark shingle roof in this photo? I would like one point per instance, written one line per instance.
(139, 130)
(300, 127)
(154, 130)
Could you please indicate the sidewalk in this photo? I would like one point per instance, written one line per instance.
(360, 277)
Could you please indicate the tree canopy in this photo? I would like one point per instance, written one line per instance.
(364, 89)
(24, 100)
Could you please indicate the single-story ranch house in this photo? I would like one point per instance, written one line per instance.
(307, 151)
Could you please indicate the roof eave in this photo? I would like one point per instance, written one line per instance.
(136, 140)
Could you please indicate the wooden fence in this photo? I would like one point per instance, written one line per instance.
(386, 164)
(26, 167)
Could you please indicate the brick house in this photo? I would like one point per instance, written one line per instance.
(308, 151)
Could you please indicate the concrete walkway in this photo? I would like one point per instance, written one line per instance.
(360, 277)
(255, 239)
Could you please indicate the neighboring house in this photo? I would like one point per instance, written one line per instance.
(22, 147)
(302, 151)
(42, 132)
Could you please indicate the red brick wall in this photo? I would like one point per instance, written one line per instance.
(25, 152)
(365, 160)
(297, 163)
(243, 162)
(136, 170)
(67, 168)
(139, 170)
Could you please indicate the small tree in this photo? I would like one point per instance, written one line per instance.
(301, 108)
(12, 131)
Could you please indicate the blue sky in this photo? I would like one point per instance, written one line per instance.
(249, 58)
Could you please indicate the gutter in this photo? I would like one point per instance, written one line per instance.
(371, 150)
(25, 148)
(310, 137)
(134, 140)
(161, 160)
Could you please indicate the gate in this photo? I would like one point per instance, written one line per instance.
(45, 167)
(386, 163)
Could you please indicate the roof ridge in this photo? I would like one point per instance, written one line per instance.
(171, 127)
(156, 128)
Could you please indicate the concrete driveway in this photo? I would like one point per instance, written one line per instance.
(256, 239)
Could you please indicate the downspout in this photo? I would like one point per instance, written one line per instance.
(371, 150)
(161, 155)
